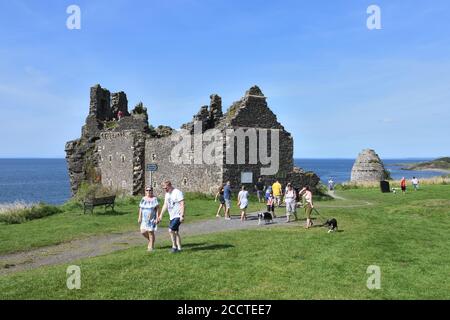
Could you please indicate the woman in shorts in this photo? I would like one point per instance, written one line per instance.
(220, 195)
(148, 213)
(309, 206)
(243, 202)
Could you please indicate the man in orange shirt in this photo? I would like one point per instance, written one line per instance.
(403, 185)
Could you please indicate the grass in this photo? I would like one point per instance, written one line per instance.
(442, 180)
(73, 224)
(405, 235)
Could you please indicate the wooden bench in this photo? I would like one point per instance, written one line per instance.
(90, 203)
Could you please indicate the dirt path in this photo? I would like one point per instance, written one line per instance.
(336, 197)
(104, 244)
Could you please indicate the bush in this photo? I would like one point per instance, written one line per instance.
(20, 215)
(92, 190)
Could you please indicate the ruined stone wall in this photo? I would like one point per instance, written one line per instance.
(116, 160)
(252, 111)
(204, 178)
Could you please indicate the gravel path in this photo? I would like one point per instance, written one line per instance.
(104, 244)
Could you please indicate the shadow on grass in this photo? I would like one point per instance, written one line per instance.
(187, 245)
(108, 213)
(202, 246)
(213, 247)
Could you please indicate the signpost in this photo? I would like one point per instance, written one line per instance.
(151, 167)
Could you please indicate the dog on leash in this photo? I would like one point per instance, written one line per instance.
(266, 216)
(332, 225)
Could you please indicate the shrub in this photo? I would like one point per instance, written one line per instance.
(92, 190)
(19, 214)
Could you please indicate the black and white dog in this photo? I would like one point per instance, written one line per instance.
(332, 225)
(266, 216)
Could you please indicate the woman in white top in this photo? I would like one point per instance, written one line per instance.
(290, 199)
(148, 214)
(309, 206)
(243, 202)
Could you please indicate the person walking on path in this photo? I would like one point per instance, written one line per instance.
(268, 192)
(259, 187)
(243, 203)
(403, 185)
(277, 190)
(415, 183)
(331, 185)
(290, 199)
(271, 205)
(148, 217)
(227, 198)
(222, 202)
(309, 206)
(174, 203)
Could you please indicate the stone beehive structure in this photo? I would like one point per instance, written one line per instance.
(117, 152)
(368, 167)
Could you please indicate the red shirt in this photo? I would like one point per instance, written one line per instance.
(403, 183)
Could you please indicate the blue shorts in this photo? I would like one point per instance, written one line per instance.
(174, 224)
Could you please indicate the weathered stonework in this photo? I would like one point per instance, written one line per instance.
(368, 167)
(116, 153)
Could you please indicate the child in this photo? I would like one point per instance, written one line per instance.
(271, 204)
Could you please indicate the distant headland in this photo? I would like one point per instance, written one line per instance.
(441, 164)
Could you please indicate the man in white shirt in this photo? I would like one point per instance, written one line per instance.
(415, 183)
(174, 203)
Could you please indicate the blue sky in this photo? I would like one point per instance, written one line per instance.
(335, 85)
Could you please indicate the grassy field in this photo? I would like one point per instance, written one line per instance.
(73, 224)
(406, 236)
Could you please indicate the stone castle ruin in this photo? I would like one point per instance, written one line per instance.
(368, 167)
(117, 153)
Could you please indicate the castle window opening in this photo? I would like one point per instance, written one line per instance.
(184, 181)
(110, 158)
(153, 156)
(123, 158)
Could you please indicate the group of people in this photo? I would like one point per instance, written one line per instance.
(150, 213)
(273, 196)
(414, 182)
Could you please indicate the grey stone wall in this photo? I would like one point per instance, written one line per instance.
(116, 160)
(191, 177)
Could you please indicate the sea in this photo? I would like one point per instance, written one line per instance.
(47, 180)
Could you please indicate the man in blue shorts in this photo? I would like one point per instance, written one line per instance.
(174, 203)
(227, 197)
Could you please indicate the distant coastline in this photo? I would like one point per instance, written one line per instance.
(440, 164)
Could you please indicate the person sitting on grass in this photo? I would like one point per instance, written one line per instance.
(243, 202)
(309, 206)
(271, 205)
(148, 216)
